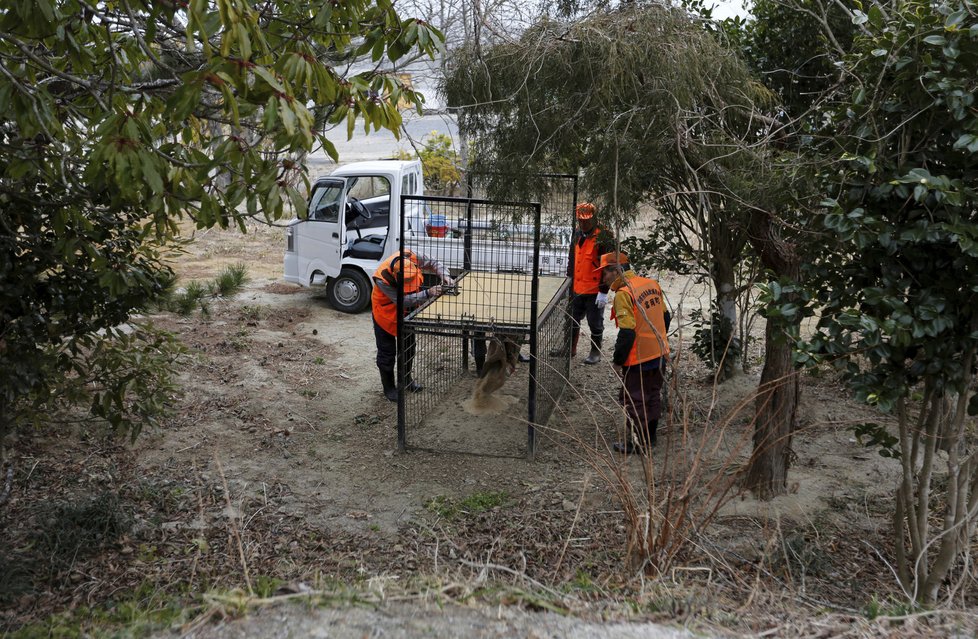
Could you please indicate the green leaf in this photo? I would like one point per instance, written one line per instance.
(875, 16)
(330, 149)
(46, 9)
(938, 40)
(297, 200)
(151, 174)
(287, 115)
(269, 79)
(271, 113)
(954, 20)
(244, 41)
(966, 140)
(231, 104)
(377, 51)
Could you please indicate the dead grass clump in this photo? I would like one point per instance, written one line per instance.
(72, 530)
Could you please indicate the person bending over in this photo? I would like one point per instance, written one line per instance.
(388, 278)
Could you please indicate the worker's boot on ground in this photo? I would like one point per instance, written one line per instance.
(523, 358)
(562, 351)
(632, 447)
(653, 427)
(628, 448)
(390, 388)
(595, 355)
(409, 384)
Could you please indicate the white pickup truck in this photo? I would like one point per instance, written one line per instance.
(353, 224)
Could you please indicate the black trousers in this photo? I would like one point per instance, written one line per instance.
(641, 397)
(387, 349)
(582, 306)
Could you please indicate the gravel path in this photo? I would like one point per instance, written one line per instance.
(403, 621)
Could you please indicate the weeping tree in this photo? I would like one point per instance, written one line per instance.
(119, 119)
(898, 286)
(643, 100)
(652, 107)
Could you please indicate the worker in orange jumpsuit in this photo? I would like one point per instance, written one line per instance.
(387, 280)
(641, 350)
(588, 294)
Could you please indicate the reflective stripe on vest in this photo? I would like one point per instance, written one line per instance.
(650, 339)
(385, 309)
(586, 259)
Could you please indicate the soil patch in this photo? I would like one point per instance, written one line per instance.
(279, 467)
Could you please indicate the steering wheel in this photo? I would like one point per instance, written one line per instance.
(359, 208)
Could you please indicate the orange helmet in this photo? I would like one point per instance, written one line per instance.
(585, 211)
(612, 259)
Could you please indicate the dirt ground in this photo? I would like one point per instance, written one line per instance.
(278, 474)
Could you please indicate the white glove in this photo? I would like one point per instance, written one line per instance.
(601, 300)
(447, 280)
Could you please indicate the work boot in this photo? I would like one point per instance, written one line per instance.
(523, 358)
(652, 427)
(390, 388)
(409, 383)
(632, 448)
(628, 448)
(562, 351)
(595, 355)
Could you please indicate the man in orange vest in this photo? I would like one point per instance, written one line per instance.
(387, 280)
(641, 351)
(589, 294)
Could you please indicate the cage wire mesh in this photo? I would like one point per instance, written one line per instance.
(510, 261)
(557, 194)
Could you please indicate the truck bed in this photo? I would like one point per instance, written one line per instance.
(493, 256)
(490, 299)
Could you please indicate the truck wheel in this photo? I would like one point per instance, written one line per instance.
(350, 292)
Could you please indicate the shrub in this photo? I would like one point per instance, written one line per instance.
(440, 162)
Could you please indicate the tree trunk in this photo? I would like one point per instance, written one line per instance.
(774, 418)
(726, 250)
(778, 393)
(725, 283)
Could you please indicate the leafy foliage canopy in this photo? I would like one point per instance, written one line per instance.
(117, 120)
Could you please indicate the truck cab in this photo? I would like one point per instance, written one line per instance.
(351, 226)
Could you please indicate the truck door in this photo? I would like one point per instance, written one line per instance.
(323, 235)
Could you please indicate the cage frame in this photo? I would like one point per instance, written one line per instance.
(465, 330)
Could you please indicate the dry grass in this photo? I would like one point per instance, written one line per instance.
(211, 543)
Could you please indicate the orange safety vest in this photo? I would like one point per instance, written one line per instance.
(385, 309)
(587, 258)
(650, 339)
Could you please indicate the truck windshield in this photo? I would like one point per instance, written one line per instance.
(325, 200)
(367, 187)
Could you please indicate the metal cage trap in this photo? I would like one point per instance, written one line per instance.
(509, 263)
